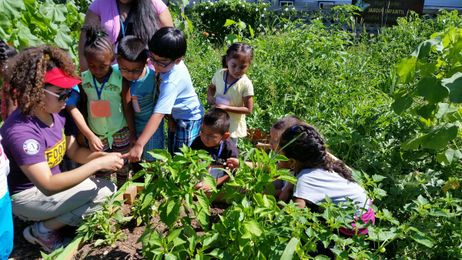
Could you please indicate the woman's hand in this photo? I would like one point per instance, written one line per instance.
(110, 161)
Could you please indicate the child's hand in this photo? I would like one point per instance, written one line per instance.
(222, 106)
(232, 163)
(95, 144)
(202, 186)
(286, 192)
(134, 155)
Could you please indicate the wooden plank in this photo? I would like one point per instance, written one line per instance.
(130, 195)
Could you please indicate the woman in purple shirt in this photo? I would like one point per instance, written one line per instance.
(35, 142)
(120, 18)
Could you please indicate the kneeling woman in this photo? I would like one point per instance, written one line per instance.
(35, 141)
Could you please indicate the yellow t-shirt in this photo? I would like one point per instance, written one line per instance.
(233, 97)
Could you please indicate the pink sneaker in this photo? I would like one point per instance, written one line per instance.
(49, 242)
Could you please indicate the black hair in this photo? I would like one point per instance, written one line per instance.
(145, 19)
(304, 144)
(132, 48)
(168, 42)
(217, 119)
(235, 50)
(97, 40)
(6, 51)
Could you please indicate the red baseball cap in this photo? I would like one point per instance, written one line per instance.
(58, 78)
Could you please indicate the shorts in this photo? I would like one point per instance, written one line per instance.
(185, 133)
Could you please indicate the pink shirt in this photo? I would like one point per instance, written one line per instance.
(109, 15)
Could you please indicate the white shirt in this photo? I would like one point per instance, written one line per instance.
(4, 170)
(315, 184)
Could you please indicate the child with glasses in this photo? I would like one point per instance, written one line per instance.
(177, 96)
(231, 89)
(214, 138)
(320, 176)
(132, 56)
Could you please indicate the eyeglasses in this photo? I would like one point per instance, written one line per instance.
(61, 96)
(135, 71)
(163, 65)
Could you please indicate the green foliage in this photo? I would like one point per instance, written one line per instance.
(429, 83)
(104, 226)
(211, 17)
(32, 22)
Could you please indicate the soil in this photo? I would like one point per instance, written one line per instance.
(129, 248)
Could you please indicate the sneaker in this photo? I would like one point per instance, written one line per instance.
(49, 242)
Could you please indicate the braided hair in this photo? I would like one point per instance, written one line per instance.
(6, 52)
(97, 40)
(304, 144)
(27, 73)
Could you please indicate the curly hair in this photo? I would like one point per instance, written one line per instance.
(27, 72)
(304, 144)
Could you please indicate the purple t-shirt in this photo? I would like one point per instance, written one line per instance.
(109, 15)
(27, 140)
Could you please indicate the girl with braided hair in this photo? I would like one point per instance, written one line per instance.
(320, 176)
(103, 92)
(35, 142)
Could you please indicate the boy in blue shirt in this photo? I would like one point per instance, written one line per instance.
(132, 56)
(177, 96)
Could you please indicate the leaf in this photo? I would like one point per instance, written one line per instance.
(381, 234)
(253, 228)
(439, 137)
(290, 249)
(443, 109)
(401, 104)
(431, 89)
(229, 23)
(54, 12)
(454, 84)
(426, 111)
(169, 212)
(421, 238)
(406, 69)
(209, 240)
(11, 8)
(378, 178)
(448, 156)
(251, 31)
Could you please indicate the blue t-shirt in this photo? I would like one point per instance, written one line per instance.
(177, 95)
(145, 90)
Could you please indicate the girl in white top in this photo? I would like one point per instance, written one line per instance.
(319, 176)
(231, 90)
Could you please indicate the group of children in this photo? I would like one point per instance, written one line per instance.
(127, 92)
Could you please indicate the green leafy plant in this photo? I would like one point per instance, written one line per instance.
(105, 226)
(33, 22)
(432, 76)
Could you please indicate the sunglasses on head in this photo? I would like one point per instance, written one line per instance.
(61, 96)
